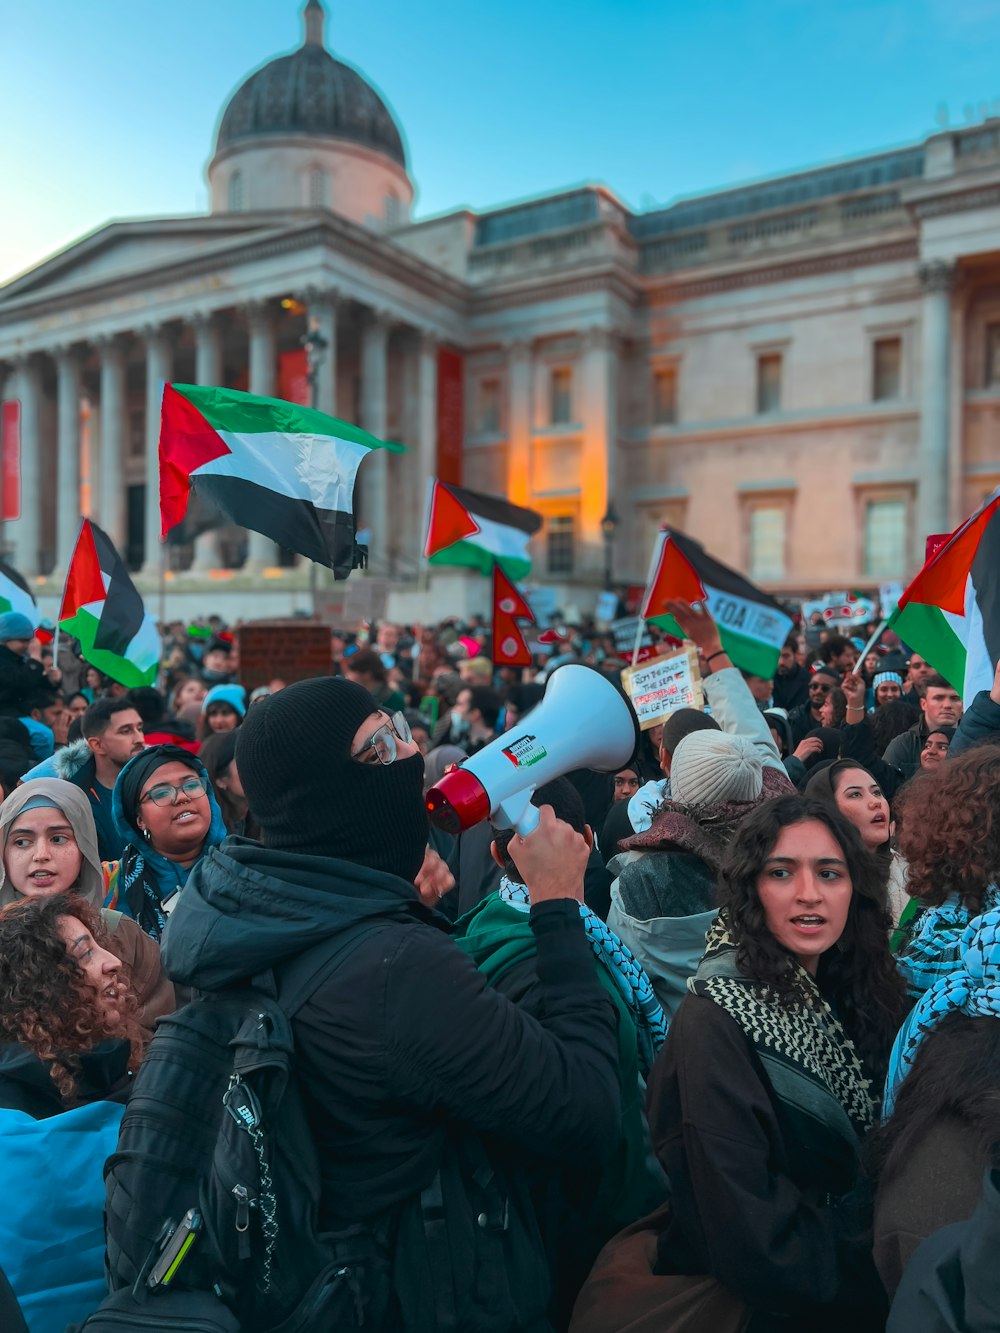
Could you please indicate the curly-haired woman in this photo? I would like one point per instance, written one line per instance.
(768, 1082)
(948, 829)
(67, 1011)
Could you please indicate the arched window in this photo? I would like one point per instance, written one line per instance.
(393, 210)
(317, 187)
(236, 192)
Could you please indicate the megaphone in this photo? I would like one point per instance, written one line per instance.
(582, 722)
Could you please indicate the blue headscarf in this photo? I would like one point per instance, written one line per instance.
(972, 987)
(125, 807)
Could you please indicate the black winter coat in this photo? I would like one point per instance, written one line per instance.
(20, 678)
(405, 1041)
(752, 1179)
(25, 1084)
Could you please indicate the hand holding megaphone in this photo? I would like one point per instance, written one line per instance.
(552, 861)
(583, 722)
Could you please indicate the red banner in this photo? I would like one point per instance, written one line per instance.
(10, 460)
(293, 376)
(934, 543)
(450, 415)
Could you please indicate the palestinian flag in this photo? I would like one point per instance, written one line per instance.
(950, 613)
(752, 625)
(474, 531)
(277, 468)
(102, 609)
(14, 594)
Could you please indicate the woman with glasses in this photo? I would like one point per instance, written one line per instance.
(167, 815)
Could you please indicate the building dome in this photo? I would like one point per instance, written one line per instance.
(311, 93)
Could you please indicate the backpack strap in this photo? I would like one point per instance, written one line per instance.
(298, 982)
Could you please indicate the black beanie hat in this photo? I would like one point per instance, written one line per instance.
(293, 755)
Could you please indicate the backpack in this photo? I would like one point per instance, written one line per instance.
(215, 1138)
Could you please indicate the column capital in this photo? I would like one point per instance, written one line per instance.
(66, 353)
(518, 348)
(260, 314)
(378, 318)
(938, 275)
(156, 335)
(427, 340)
(109, 345)
(204, 321)
(319, 296)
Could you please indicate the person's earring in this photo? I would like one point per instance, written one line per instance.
(145, 834)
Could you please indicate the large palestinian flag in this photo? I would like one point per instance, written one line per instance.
(273, 467)
(752, 625)
(102, 609)
(474, 531)
(950, 613)
(14, 594)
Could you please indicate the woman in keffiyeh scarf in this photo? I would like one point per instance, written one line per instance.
(770, 1073)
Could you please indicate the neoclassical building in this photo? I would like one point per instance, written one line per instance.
(803, 373)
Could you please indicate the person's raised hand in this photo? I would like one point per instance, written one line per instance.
(552, 859)
(433, 880)
(809, 748)
(697, 625)
(854, 690)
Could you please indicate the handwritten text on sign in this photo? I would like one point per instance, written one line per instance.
(660, 687)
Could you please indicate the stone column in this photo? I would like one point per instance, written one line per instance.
(159, 369)
(261, 550)
(207, 370)
(68, 457)
(520, 396)
(373, 474)
(322, 306)
(598, 393)
(112, 479)
(933, 492)
(427, 422)
(25, 533)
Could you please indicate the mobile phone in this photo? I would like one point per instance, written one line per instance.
(175, 1250)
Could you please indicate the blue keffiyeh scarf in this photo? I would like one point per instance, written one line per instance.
(934, 949)
(972, 987)
(635, 987)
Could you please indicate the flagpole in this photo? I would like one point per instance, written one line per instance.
(638, 639)
(856, 671)
(55, 647)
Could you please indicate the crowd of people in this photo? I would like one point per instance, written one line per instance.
(716, 1039)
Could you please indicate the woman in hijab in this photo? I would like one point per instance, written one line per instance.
(166, 813)
(49, 845)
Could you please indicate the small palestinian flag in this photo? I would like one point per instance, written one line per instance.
(950, 613)
(509, 647)
(102, 609)
(752, 625)
(474, 531)
(274, 467)
(14, 594)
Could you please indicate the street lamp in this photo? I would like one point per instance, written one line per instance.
(315, 345)
(609, 525)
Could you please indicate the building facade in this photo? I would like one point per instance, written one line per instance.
(804, 374)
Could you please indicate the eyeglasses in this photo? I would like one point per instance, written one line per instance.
(166, 793)
(383, 741)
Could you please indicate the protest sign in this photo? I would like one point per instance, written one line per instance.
(623, 632)
(661, 686)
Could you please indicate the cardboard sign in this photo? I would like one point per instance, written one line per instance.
(658, 688)
(287, 650)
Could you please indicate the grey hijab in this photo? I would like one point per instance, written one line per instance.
(73, 803)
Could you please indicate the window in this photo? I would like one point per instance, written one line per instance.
(769, 382)
(317, 188)
(887, 362)
(665, 396)
(992, 377)
(885, 538)
(560, 397)
(393, 210)
(488, 407)
(560, 544)
(767, 542)
(236, 192)
(137, 433)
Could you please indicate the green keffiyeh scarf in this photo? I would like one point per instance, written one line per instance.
(808, 1057)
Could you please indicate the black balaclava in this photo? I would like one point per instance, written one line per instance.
(293, 755)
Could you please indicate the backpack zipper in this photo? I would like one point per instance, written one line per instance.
(244, 1202)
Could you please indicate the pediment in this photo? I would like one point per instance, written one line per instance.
(122, 249)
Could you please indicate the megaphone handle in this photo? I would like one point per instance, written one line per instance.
(518, 813)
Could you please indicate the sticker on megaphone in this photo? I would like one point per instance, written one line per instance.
(582, 722)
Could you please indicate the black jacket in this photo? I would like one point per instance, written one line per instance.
(903, 752)
(404, 1040)
(801, 722)
(20, 678)
(25, 1084)
(751, 1180)
(980, 722)
(791, 689)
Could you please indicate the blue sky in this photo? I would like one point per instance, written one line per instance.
(109, 107)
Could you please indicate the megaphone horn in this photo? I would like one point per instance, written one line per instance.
(582, 722)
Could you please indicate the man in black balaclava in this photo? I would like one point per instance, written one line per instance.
(401, 1046)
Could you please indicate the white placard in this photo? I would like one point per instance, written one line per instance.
(658, 688)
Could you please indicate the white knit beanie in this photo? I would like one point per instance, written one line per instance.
(711, 766)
